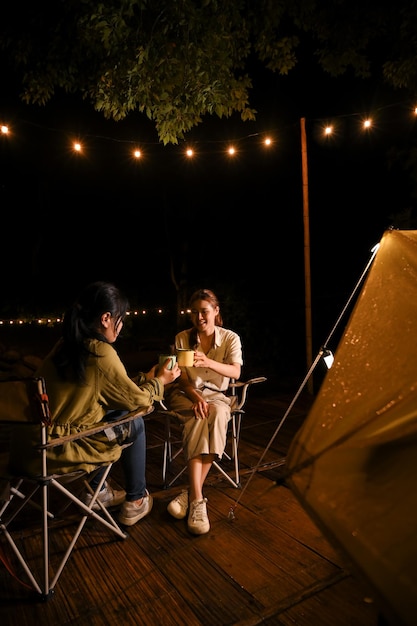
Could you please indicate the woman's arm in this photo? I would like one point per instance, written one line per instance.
(228, 370)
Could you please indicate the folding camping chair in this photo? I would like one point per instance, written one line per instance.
(25, 402)
(172, 447)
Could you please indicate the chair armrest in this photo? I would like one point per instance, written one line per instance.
(244, 386)
(96, 429)
(233, 385)
(251, 381)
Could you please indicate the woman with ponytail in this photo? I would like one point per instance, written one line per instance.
(200, 401)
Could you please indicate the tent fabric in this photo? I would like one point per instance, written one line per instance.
(353, 463)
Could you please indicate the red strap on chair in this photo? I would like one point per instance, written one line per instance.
(43, 402)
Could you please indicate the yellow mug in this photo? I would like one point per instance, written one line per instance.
(185, 358)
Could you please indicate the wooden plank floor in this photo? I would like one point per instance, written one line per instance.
(269, 565)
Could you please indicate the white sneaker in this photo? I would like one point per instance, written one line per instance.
(108, 496)
(132, 512)
(178, 507)
(198, 521)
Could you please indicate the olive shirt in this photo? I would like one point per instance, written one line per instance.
(75, 407)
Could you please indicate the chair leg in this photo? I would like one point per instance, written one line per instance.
(110, 523)
(25, 499)
(234, 453)
(226, 475)
(167, 454)
(173, 480)
(169, 457)
(21, 560)
(41, 587)
(44, 586)
(235, 449)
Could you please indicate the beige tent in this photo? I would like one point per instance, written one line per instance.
(353, 464)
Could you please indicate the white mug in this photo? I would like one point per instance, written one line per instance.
(164, 357)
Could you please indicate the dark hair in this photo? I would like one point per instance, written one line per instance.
(81, 321)
(209, 296)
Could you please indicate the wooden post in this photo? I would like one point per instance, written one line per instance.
(307, 275)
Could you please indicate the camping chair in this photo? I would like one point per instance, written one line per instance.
(25, 402)
(172, 446)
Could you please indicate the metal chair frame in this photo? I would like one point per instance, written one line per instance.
(25, 401)
(172, 446)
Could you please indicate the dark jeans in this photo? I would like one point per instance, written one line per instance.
(133, 458)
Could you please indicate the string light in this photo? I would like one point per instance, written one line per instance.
(267, 141)
(52, 320)
(231, 150)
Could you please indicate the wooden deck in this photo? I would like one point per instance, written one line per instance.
(270, 565)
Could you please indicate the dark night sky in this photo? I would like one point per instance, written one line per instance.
(68, 219)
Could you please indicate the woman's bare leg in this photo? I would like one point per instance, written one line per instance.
(198, 468)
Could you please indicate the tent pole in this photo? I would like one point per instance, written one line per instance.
(352, 295)
(304, 382)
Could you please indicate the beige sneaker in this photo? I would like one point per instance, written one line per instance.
(178, 507)
(132, 512)
(198, 521)
(108, 496)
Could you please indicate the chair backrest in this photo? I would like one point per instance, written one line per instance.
(24, 401)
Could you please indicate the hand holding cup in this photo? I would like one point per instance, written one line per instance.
(168, 369)
(163, 359)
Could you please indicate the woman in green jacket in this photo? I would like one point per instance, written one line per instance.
(86, 383)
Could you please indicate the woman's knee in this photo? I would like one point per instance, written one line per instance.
(137, 429)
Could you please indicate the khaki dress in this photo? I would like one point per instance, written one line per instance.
(206, 436)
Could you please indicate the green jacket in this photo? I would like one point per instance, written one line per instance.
(75, 407)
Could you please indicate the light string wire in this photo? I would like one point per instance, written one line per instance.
(269, 137)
